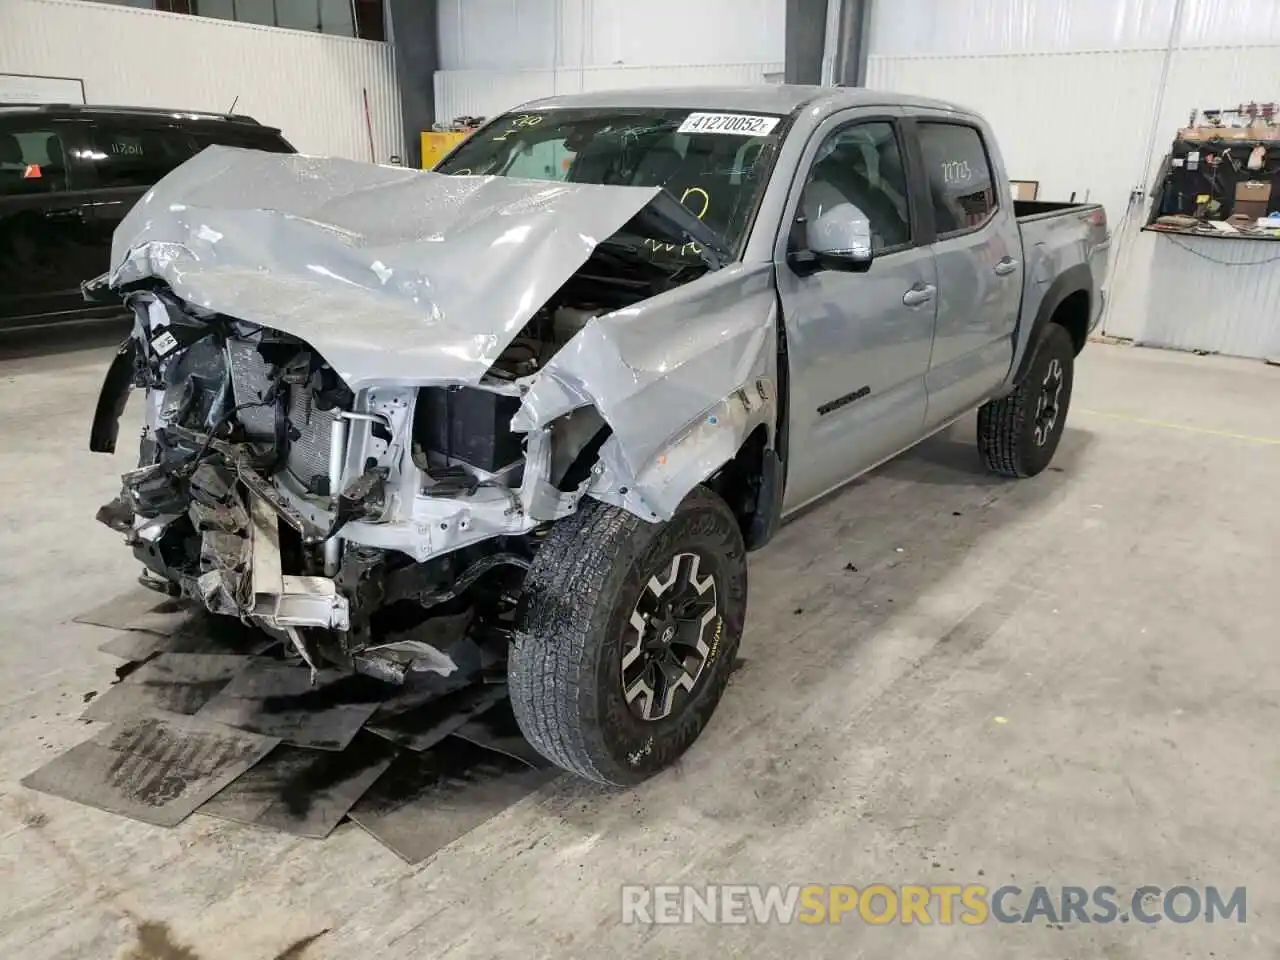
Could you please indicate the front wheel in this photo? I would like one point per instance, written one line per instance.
(627, 636)
(1018, 434)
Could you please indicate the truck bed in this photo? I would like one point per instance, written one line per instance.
(1026, 210)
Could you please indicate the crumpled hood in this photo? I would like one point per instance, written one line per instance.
(393, 275)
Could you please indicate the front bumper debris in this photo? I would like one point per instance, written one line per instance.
(281, 600)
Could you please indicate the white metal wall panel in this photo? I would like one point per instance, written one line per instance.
(307, 84)
(543, 34)
(983, 27)
(1056, 116)
(498, 34)
(485, 93)
(1211, 294)
(1229, 22)
(969, 27)
(618, 78)
(678, 32)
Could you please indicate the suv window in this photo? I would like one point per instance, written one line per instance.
(32, 161)
(138, 156)
(861, 164)
(960, 186)
(260, 139)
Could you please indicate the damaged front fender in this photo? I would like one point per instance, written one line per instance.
(112, 399)
(681, 380)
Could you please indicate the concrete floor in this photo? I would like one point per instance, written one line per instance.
(1070, 680)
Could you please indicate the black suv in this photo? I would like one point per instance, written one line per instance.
(69, 174)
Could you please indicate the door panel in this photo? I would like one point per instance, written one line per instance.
(47, 241)
(858, 342)
(977, 252)
(858, 356)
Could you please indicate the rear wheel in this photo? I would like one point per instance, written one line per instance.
(627, 636)
(1018, 434)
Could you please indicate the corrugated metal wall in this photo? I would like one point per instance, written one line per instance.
(484, 93)
(1211, 294)
(497, 53)
(545, 34)
(990, 27)
(307, 84)
(1056, 115)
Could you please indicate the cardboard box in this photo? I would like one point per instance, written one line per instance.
(1210, 134)
(1253, 209)
(1254, 191)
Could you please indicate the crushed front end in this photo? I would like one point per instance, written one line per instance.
(361, 525)
(368, 391)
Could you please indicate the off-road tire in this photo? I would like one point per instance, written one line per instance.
(1009, 436)
(565, 666)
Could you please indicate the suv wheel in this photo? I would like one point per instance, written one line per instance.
(627, 636)
(1018, 434)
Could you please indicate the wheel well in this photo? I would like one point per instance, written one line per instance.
(1073, 315)
(738, 482)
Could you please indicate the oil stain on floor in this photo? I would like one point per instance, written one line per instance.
(155, 941)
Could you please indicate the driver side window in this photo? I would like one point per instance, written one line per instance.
(862, 165)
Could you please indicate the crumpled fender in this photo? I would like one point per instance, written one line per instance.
(112, 399)
(681, 379)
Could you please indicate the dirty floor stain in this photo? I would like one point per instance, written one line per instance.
(155, 942)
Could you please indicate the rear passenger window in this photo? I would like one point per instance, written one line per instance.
(960, 185)
(32, 161)
(138, 156)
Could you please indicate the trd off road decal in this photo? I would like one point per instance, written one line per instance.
(715, 641)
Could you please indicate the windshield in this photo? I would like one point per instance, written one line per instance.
(716, 164)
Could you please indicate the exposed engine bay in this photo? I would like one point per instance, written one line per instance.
(363, 525)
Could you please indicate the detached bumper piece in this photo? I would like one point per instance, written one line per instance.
(240, 560)
(238, 535)
(281, 600)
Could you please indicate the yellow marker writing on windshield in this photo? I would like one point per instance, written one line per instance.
(524, 120)
(706, 200)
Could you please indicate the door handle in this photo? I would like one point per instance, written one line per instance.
(1005, 267)
(69, 213)
(919, 294)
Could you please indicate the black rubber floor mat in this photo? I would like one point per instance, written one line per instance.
(303, 792)
(422, 687)
(426, 801)
(423, 727)
(498, 730)
(277, 699)
(154, 769)
(418, 690)
(199, 633)
(168, 683)
(139, 609)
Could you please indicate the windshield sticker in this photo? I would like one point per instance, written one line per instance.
(735, 124)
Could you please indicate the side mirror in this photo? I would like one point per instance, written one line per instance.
(840, 238)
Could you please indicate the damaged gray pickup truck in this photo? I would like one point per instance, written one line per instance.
(556, 390)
